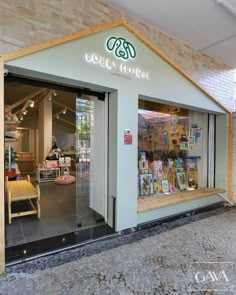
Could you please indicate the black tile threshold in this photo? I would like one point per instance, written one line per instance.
(25, 251)
(112, 240)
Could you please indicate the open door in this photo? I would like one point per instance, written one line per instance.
(91, 154)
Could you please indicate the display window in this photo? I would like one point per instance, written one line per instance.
(172, 149)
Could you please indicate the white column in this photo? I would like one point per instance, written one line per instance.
(123, 158)
(45, 129)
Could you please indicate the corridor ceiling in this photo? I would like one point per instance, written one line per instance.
(208, 26)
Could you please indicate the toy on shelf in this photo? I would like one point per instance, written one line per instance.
(143, 163)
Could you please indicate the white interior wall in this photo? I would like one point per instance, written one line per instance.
(45, 128)
(16, 145)
(32, 140)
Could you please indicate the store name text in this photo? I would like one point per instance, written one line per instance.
(111, 65)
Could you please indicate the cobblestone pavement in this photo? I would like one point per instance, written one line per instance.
(194, 257)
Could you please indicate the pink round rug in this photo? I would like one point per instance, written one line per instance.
(65, 180)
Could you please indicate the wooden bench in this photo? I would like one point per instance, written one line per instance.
(22, 190)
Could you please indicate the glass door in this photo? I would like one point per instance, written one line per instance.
(91, 160)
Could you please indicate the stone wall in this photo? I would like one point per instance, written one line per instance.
(234, 159)
(28, 22)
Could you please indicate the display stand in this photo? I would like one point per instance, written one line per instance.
(47, 174)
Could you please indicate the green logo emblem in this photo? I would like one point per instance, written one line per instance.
(121, 48)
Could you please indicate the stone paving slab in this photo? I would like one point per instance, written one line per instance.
(198, 257)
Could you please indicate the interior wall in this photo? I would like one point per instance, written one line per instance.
(45, 129)
(34, 144)
(16, 145)
(62, 19)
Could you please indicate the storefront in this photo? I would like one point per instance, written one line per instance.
(165, 144)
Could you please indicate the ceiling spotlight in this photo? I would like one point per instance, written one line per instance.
(64, 111)
(31, 103)
(21, 118)
(58, 116)
(25, 112)
(54, 93)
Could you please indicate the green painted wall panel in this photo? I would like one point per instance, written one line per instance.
(177, 209)
(67, 64)
(68, 61)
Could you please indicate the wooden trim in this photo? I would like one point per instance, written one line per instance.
(230, 157)
(153, 47)
(2, 184)
(61, 40)
(151, 203)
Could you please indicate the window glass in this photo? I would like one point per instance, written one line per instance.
(172, 149)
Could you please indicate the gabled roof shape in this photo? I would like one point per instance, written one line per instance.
(77, 35)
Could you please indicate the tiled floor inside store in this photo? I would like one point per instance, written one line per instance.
(61, 213)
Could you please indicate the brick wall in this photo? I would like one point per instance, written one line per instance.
(28, 22)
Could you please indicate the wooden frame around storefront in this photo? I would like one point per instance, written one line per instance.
(58, 41)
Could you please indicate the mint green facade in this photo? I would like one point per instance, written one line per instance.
(150, 78)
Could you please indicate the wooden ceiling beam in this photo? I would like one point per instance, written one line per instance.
(9, 108)
(64, 106)
(36, 102)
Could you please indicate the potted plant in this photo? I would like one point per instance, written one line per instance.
(10, 162)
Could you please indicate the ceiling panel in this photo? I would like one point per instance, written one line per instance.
(202, 24)
(225, 50)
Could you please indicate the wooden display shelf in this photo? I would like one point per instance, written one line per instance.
(25, 161)
(25, 154)
(10, 139)
(151, 203)
(9, 125)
